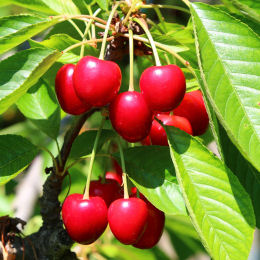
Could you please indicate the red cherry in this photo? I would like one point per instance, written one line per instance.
(65, 91)
(97, 81)
(85, 219)
(146, 140)
(163, 87)
(193, 108)
(114, 176)
(158, 134)
(117, 167)
(108, 191)
(127, 219)
(130, 116)
(154, 229)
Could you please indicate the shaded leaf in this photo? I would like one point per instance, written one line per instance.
(16, 154)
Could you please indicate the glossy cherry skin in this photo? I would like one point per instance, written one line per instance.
(193, 108)
(65, 91)
(127, 219)
(130, 116)
(108, 191)
(112, 175)
(163, 87)
(154, 229)
(96, 81)
(158, 135)
(84, 220)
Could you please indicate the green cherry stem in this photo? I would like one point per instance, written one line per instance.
(92, 158)
(161, 18)
(150, 38)
(174, 7)
(77, 28)
(124, 176)
(103, 46)
(131, 59)
(52, 157)
(90, 23)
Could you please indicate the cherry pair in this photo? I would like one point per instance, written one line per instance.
(135, 221)
(190, 116)
(162, 89)
(90, 83)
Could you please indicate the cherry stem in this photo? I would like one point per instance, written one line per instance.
(124, 176)
(150, 38)
(102, 52)
(131, 59)
(160, 17)
(90, 23)
(77, 28)
(166, 48)
(175, 7)
(92, 158)
(86, 42)
(58, 147)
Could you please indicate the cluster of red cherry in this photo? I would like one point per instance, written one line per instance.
(95, 83)
(133, 221)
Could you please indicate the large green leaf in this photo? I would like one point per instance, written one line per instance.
(22, 70)
(219, 207)
(40, 105)
(229, 57)
(18, 28)
(15, 155)
(103, 4)
(49, 6)
(151, 170)
(83, 144)
(61, 42)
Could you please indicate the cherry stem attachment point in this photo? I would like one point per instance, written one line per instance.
(124, 176)
(92, 158)
(131, 59)
(102, 51)
(150, 38)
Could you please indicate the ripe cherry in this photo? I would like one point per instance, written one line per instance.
(96, 81)
(65, 91)
(163, 87)
(130, 116)
(84, 219)
(112, 175)
(108, 191)
(154, 229)
(158, 135)
(127, 219)
(193, 108)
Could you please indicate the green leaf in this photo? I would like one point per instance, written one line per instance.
(49, 6)
(219, 207)
(36, 5)
(151, 170)
(249, 7)
(40, 105)
(61, 42)
(245, 172)
(22, 70)
(229, 57)
(18, 28)
(103, 4)
(16, 154)
(83, 144)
